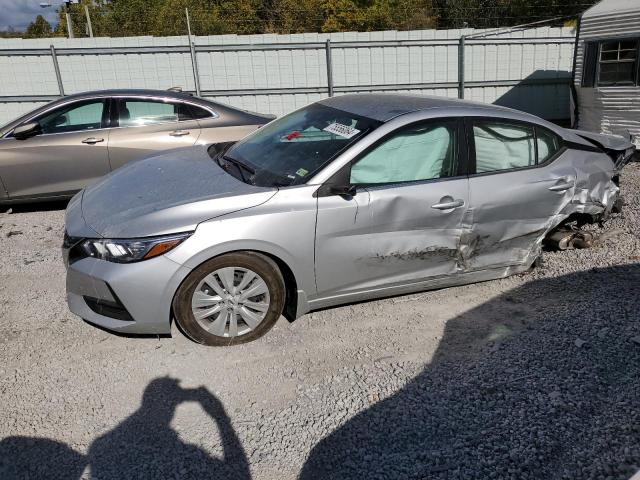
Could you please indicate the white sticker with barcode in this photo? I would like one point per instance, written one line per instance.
(343, 130)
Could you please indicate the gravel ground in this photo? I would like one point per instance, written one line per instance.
(534, 376)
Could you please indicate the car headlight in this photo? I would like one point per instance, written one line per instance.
(131, 250)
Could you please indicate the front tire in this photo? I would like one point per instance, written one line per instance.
(231, 299)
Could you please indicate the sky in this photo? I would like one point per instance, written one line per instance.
(19, 13)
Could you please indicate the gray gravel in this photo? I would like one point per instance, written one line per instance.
(531, 377)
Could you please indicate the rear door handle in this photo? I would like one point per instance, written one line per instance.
(448, 205)
(179, 133)
(562, 187)
(92, 140)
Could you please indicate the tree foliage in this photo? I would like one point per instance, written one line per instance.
(116, 18)
(39, 28)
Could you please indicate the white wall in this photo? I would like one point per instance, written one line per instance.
(398, 66)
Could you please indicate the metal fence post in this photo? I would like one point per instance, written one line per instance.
(329, 67)
(461, 67)
(194, 60)
(69, 24)
(56, 67)
(89, 26)
(194, 63)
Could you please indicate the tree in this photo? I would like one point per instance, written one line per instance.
(291, 16)
(39, 28)
(116, 18)
(10, 32)
(341, 16)
(98, 10)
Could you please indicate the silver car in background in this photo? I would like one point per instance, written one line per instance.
(64, 146)
(348, 199)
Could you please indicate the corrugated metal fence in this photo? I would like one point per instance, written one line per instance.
(526, 69)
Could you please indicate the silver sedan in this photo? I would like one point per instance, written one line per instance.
(64, 146)
(348, 199)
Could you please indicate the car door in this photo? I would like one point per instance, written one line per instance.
(519, 186)
(149, 125)
(404, 221)
(67, 152)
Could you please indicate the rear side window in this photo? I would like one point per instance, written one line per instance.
(134, 112)
(197, 113)
(506, 146)
(503, 146)
(548, 144)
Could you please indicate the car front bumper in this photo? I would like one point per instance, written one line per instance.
(130, 298)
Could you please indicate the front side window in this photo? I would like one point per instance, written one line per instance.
(503, 146)
(77, 117)
(422, 152)
(291, 149)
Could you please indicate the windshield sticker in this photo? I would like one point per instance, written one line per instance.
(342, 130)
(293, 135)
(302, 172)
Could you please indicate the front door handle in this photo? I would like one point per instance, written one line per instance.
(446, 204)
(92, 140)
(179, 133)
(562, 187)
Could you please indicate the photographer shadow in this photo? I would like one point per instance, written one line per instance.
(540, 382)
(142, 446)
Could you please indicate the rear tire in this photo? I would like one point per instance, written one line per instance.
(231, 299)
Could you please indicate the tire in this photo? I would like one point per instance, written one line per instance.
(216, 288)
(618, 205)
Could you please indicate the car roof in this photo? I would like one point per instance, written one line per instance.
(145, 92)
(220, 108)
(386, 106)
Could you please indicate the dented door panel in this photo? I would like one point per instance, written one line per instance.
(389, 235)
(511, 212)
(595, 191)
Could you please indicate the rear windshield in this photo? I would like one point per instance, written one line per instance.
(291, 149)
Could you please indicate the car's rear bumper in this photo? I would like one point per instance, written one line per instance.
(127, 298)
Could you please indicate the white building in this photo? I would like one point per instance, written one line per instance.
(607, 73)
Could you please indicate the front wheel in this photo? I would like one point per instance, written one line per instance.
(231, 299)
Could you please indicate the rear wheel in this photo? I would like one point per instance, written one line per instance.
(231, 299)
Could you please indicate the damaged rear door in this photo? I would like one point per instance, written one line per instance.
(519, 191)
(395, 214)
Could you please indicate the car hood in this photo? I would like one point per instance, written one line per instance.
(168, 193)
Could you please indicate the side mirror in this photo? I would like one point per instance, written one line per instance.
(26, 130)
(343, 190)
(60, 120)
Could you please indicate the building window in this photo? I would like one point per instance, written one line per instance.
(618, 62)
(611, 63)
(590, 64)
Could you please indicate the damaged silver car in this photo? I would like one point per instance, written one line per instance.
(351, 198)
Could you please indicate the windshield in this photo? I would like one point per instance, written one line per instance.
(291, 149)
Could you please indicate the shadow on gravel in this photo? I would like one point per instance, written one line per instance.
(35, 206)
(142, 446)
(512, 393)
